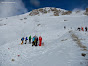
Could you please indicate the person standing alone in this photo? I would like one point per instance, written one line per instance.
(40, 41)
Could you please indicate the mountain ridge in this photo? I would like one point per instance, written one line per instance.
(55, 11)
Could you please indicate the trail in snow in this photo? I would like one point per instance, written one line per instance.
(75, 38)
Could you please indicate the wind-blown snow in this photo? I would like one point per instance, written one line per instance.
(59, 48)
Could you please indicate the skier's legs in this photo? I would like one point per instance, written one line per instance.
(36, 43)
(30, 41)
(33, 43)
(22, 43)
(39, 43)
(25, 41)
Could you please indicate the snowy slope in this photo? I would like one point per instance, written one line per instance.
(59, 49)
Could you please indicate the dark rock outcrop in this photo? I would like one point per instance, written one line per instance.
(86, 9)
(55, 11)
(86, 12)
(66, 13)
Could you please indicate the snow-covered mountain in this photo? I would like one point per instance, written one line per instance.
(52, 11)
(62, 47)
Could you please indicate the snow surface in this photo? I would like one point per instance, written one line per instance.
(59, 48)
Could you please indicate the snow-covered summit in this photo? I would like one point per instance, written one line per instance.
(52, 11)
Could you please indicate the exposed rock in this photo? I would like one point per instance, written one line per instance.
(65, 20)
(34, 12)
(21, 19)
(48, 11)
(77, 40)
(13, 60)
(78, 11)
(86, 9)
(45, 11)
(41, 10)
(4, 24)
(86, 13)
(66, 13)
(25, 18)
(55, 11)
(38, 24)
(83, 54)
(64, 39)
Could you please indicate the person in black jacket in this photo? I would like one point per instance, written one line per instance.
(36, 41)
(78, 28)
(85, 28)
(64, 27)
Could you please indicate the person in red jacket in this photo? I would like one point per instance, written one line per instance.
(40, 41)
(82, 28)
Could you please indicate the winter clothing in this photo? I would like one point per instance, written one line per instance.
(36, 40)
(22, 39)
(82, 29)
(30, 39)
(85, 28)
(78, 28)
(33, 43)
(33, 38)
(64, 27)
(26, 40)
(40, 40)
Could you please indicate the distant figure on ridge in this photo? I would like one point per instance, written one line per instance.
(85, 28)
(64, 27)
(82, 29)
(78, 28)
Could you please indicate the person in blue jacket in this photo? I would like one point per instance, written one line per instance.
(22, 39)
(26, 40)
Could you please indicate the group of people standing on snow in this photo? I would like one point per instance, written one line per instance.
(82, 28)
(34, 42)
(79, 28)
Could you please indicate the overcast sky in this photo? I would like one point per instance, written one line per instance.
(17, 7)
